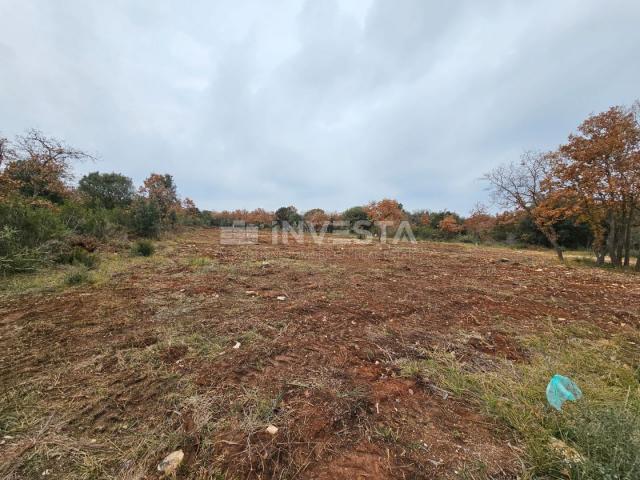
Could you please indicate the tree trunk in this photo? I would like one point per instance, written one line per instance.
(552, 236)
(627, 237)
(612, 241)
(558, 249)
(627, 242)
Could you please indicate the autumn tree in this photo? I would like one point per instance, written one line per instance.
(40, 166)
(521, 186)
(161, 191)
(189, 207)
(421, 218)
(6, 152)
(260, 216)
(386, 210)
(449, 226)
(316, 218)
(597, 172)
(480, 223)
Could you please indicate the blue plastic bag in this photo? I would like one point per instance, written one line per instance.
(561, 389)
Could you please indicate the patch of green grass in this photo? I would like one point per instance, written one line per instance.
(78, 276)
(199, 262)
(256, 409)
(39, 282)
(143, 248)
(80, 257)
(477, 470)
(386, 434)
(17, 410)
(205, 345)
(603, 427)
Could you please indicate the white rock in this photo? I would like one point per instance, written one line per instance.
(171, 462)
(237, 345)
(282, 298)
(272, 429)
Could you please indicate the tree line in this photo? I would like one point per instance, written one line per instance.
(444, 225)
(584, 194)
(45, 218)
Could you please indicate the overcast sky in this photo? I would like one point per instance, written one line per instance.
(315, 103)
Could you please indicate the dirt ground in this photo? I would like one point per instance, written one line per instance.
(202, 346)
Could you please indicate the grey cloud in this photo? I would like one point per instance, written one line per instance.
(314, 103)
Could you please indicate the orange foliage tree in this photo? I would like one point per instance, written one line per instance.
(38, 167)
(316, 218)
(597, 174)
(189, 207)
(450, 226)
(523, 186)
(259, 216)
(385, 210)
(161, 191)
(480, 223)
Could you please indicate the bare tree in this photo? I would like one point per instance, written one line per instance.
(40, 165)
(520, 186)
(36, 146)
(6, 152)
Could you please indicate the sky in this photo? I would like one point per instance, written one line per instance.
(314, 103)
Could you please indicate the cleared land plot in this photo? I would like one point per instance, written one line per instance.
(408, 361)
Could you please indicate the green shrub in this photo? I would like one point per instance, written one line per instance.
(107, 190)
(355, 214)
(78, 256)
(145, 219)
(82, 220)
(143, 248)
(466, 238)
(77, 276)
(14, 257)
(32, 225)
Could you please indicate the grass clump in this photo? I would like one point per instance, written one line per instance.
(197, 262)
(609, 440)
(143, 248)
(78, 256)
(77, 276)
(15, 257)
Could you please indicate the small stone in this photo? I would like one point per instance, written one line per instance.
(171, 462)
(570, 455)
(282, 298)
(272, 429)
(237, 346)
